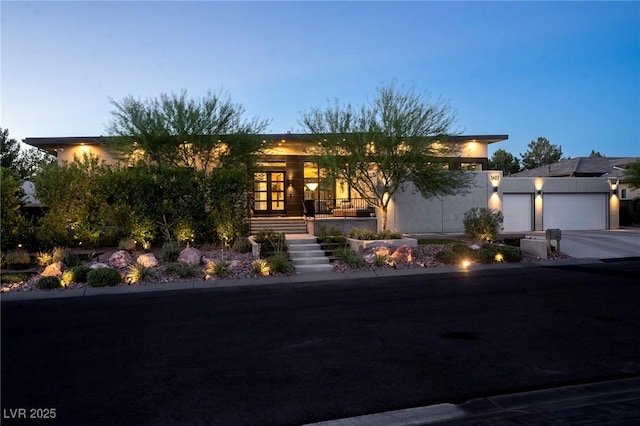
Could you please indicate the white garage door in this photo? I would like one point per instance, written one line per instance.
(574, 211)
(518, 212)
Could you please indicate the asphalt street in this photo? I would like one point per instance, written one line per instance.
(289, 354)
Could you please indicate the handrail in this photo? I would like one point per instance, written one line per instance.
(341, 207)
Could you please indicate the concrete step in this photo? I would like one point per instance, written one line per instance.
(303, 246)
(305, 269)
(310, 261)
(302, 254)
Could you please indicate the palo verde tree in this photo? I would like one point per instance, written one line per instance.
(632, 174)
(396, 138)
(540, 153)
(176, 130)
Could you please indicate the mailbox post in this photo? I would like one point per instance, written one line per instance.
(553, 234)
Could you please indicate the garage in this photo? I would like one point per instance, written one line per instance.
(574, 211)
(518, 212)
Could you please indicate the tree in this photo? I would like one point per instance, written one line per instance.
(198, 133)
(377, 147)
(632, 175)
(31, 160)
(596, 154)
(9, 149)
(10, 217)
(541, 152)
(502, 160)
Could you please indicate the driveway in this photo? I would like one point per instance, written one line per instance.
(608, 244)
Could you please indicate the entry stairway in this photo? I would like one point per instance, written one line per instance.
(306, 254)
(288, 225)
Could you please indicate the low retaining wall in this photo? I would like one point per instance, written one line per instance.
(536, 246)
(344, 224)
(360, 245)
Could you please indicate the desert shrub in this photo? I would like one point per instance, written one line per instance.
(44, 258)
(513, 241)
(170, 252)
(381, 260)
(184, 233)
(138, 273)
(128, 244)
(76, 274)
(218, 269)
(362, 234)
(48, 283)
(448, 257)
(182, 270)
(227, 189)
(103, 277)
(279, 263)
(333, 231)
(65, 256)
(242, 245)
(143, 231)
(511, 254)
(389, 234)
(482, 223)
(349, 257)
(17, 258)
(487, 255)
(260, 267)
(12, 278)
(271, 243)
(462, 249)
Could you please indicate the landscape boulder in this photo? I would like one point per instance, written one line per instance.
(190, 256)
(54, 270)
(148, 260)
(120, 259)
(402, 254)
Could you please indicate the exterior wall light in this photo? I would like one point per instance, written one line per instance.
(495, 189)
(539, 192)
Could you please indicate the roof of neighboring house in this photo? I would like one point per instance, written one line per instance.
(581, 167)
(52, 144)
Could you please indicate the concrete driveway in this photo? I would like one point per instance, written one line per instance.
(608, 244)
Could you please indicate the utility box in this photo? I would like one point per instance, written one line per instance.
(553, 234)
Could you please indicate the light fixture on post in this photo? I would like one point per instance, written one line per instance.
(613, 185)
(539, 192)
(495, 189)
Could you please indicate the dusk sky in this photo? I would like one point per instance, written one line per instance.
(569, 72)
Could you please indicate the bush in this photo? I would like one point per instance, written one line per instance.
(482, 223)
(362, 234)
(128, 244)
(389, 234)
(218, 269)
(242, 245)
(260, 267)
(349, 257)
(279, 263)
(12, 278)
(103, 277)
(271, 243)
(17, 259)
(65, 256)
(333, 231)
(511, 254)
(138, 273)
(448, 257)
(170, 252)
(181, 270)
(48, 283)
(44, 258)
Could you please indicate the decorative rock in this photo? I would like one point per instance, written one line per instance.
(190, 256)
(381, 251)
(98, 265)
(148, 260)
(120, 259)
(235, 264)
(54, 270)
(370, 258)
(402, 254)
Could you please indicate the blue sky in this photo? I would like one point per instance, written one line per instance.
(569, 72)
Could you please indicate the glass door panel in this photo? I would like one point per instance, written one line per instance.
(269, 192)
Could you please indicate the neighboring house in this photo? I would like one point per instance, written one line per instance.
(289, 183)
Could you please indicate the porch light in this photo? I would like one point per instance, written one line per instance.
(613, 185)
(495, 189)
(539, 192)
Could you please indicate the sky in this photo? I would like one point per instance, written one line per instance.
(566, 71)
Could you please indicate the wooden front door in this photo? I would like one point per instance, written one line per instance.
(269, 193)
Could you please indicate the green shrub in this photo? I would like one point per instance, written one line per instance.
(513, 241)
(44, 258)
(77, 274)
(462, 249)
(279, 263)
(260, 267)
(271, 243)
(511, 254)
(128, 244)
(218, 269)
(48, 283)
(381, 260)
(448, 257)
(65, 256)
(182, 270)
(103, 277)
(12, 278)
(487, 255)
(138, 273)
(242, 245)
(349, 257)
(482, 223)
(333, 231)
(170, 252)
(389, 234)
(17, 259)
(362, 234)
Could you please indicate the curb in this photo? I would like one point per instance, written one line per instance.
(310, 277)
(496, 407)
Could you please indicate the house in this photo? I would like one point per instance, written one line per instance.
(288, 183)
(611, 169)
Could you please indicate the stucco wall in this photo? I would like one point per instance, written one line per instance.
(68, 153)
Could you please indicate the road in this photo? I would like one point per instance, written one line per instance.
(294, 354)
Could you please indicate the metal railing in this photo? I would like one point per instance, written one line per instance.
(338, 207)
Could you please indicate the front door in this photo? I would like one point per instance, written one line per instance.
(268, 193)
